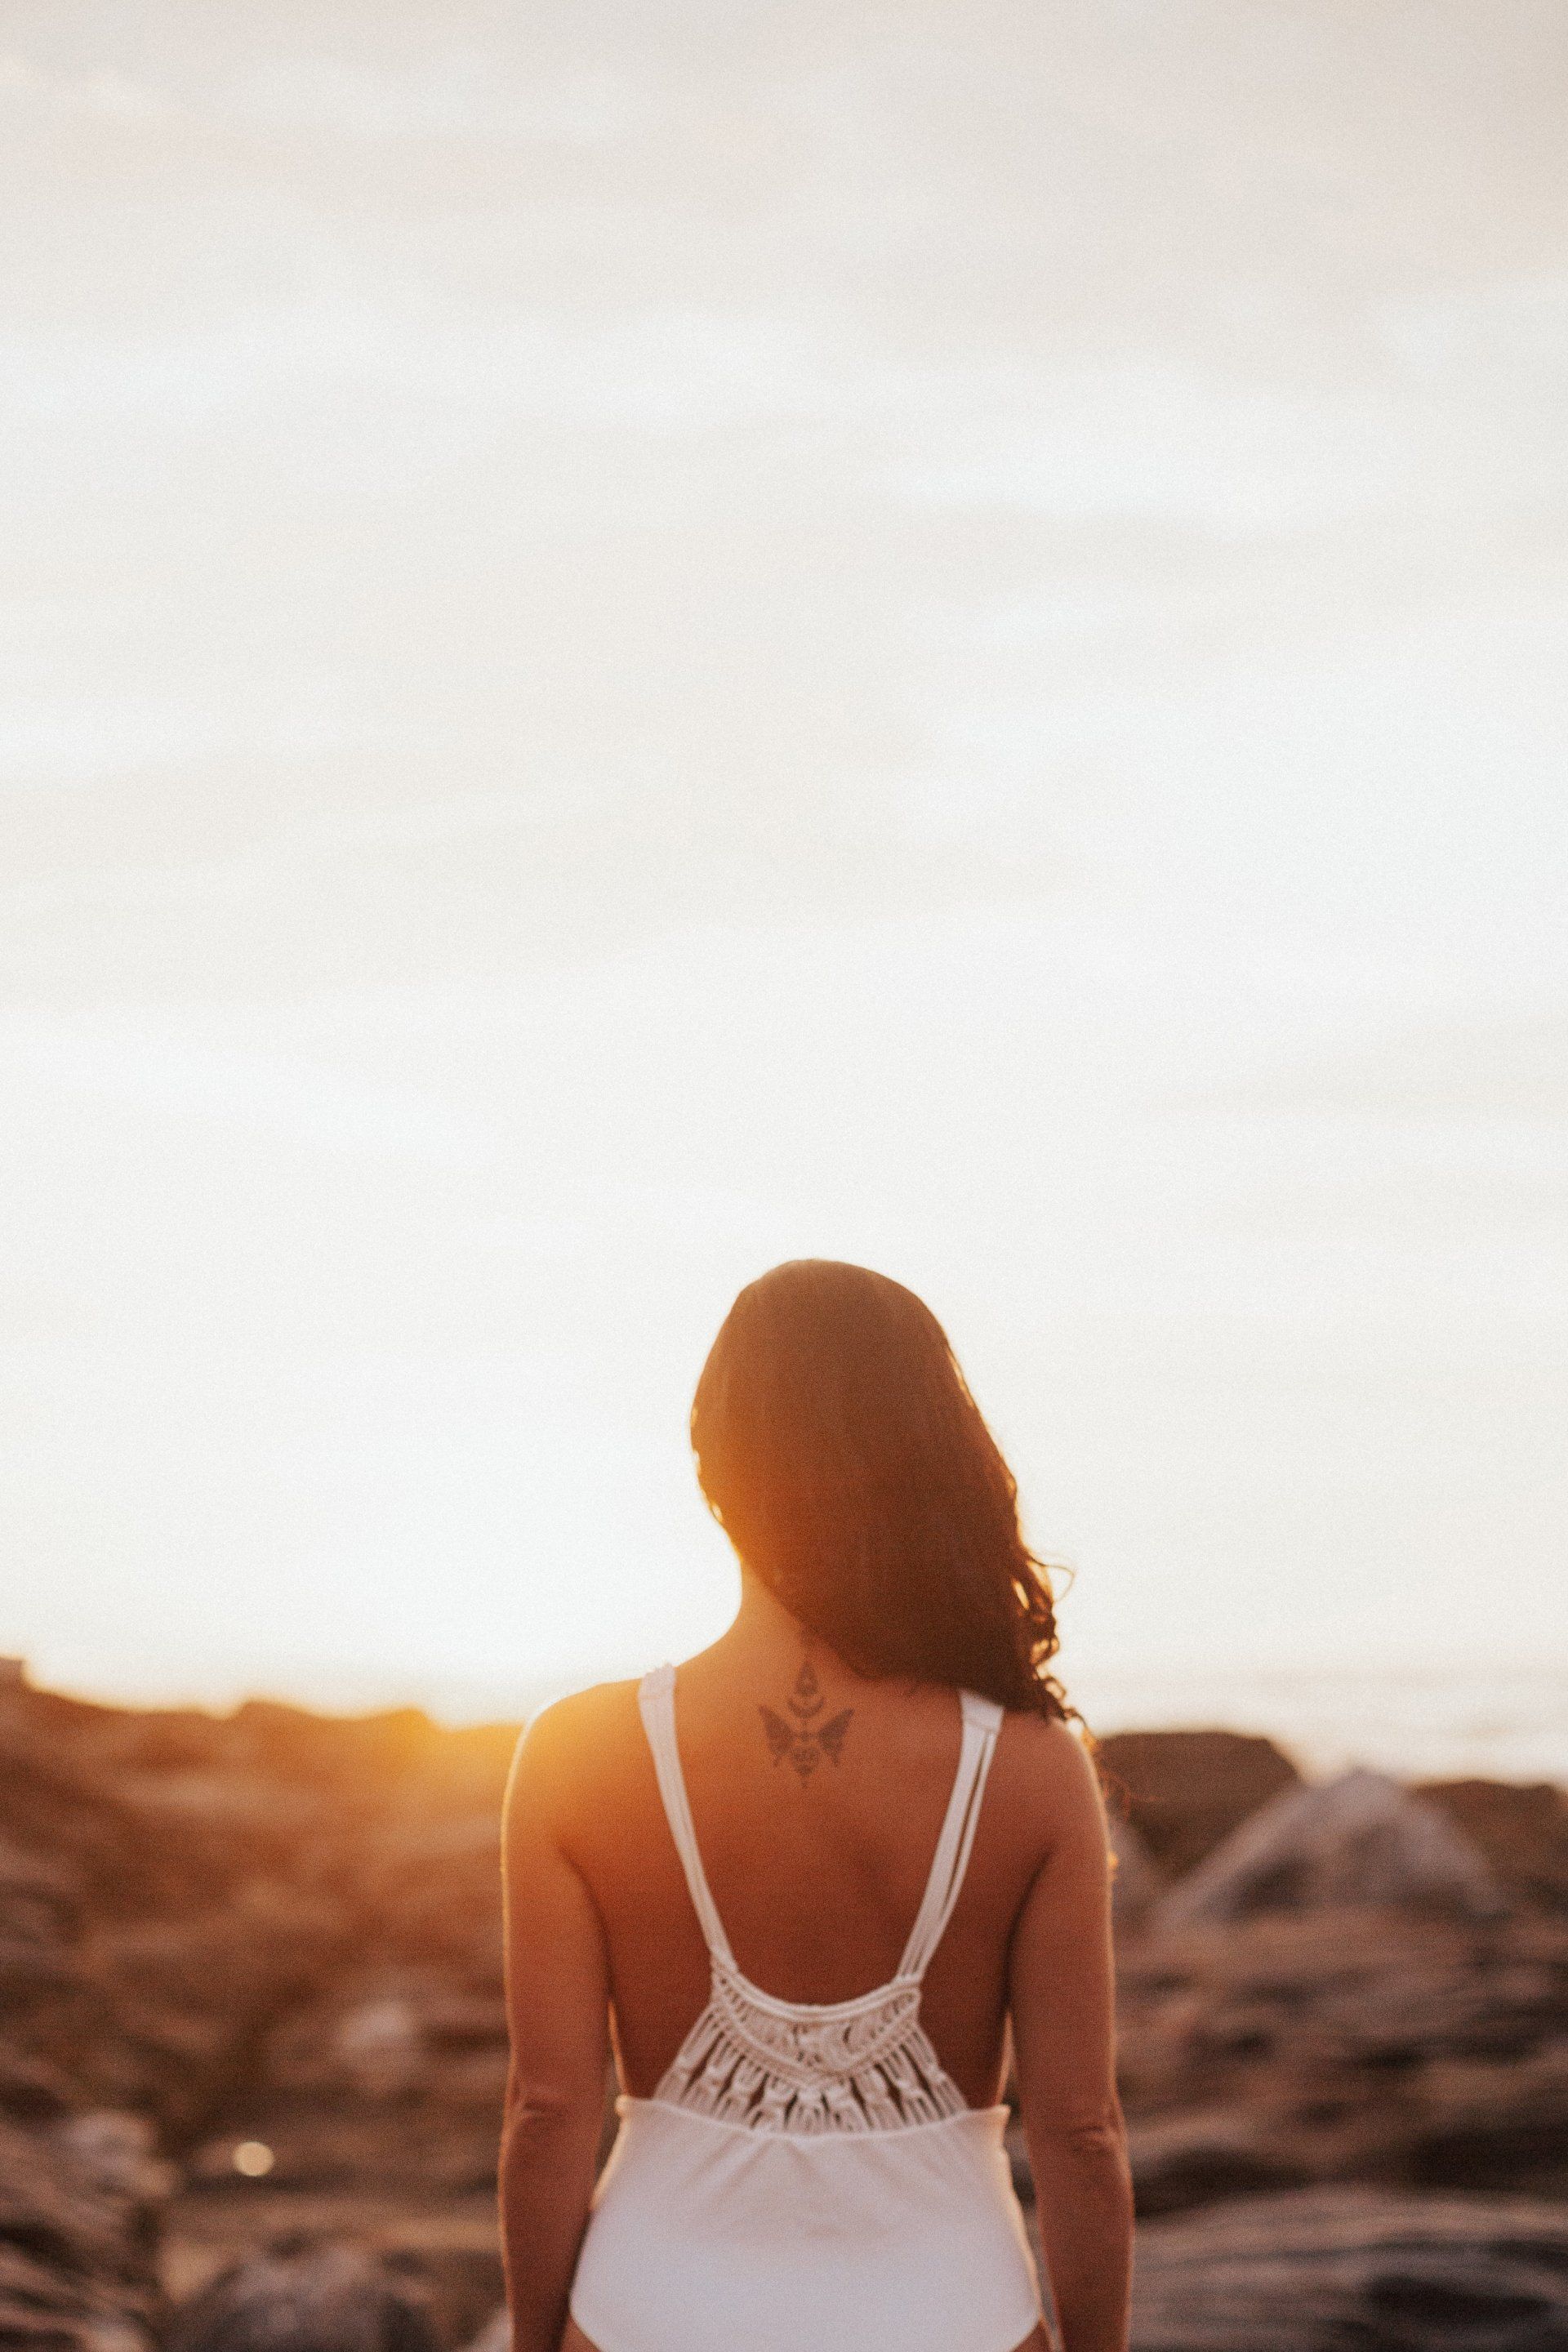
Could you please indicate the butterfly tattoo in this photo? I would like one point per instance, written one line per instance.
(806, 1741)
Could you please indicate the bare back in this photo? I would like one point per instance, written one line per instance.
(818, 1797)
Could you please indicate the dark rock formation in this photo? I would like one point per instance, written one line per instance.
(1361, 1839)
(1330, 2270)
(1522, 1832)
(1185, 1792)
(307, 2298)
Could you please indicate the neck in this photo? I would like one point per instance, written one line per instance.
(765, 1634)
(762, 1621)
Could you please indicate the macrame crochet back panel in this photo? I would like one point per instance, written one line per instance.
(861, 2065)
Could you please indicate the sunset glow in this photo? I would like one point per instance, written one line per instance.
(951, 658)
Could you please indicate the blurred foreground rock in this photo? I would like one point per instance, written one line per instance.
(495, 2336)
(1336, 2269)
(1341, 2045)
(275, 1938)
(307, 2298)
(195, 1908)
(79, 2198)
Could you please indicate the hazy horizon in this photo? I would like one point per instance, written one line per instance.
(659, 639)
(1436, 1723)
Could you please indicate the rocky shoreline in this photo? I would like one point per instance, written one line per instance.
(253, 2044)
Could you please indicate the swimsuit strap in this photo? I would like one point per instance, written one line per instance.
(982, 1721)
(656, 1697)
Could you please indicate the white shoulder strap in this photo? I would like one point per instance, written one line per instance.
(656, 1697)
(982, 1721)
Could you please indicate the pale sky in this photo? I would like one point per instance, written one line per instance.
(644, 638)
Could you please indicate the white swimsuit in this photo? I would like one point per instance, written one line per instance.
(807, 2178)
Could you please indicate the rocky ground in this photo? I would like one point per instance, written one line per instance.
(252, 2046)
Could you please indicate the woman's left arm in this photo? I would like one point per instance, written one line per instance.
(557, 1991)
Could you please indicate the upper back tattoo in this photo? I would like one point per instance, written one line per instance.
(806, 1741)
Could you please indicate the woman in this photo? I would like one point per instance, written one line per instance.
(868, 1781)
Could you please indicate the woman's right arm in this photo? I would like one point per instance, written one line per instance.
(558, 2011)
(1062, 1998)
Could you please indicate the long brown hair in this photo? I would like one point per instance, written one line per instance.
(840, 1450)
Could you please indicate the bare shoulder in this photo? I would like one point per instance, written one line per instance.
(582, 1716)
(1046, 1778)
(571, 1748)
